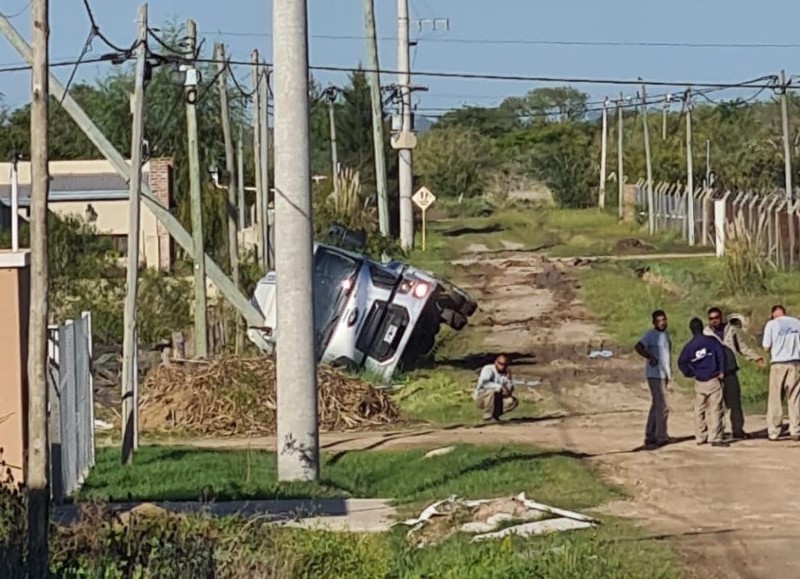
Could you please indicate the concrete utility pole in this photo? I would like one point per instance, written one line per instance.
(667, 99)
(200, 301)
(297, 430)
(405, 140)
(787, 162)
(650, 209)
(689, 170)
(330, 95)
(130, 349)
(705, 215)
(182, 237)
(601, 201)
(230, 166)
(261, 207)
(376, 99)
(240, 177)
(37, 476)
(269, 250)
(620, 159)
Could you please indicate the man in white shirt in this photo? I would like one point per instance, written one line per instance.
(656, 347)
(494, 392)
(782, 340)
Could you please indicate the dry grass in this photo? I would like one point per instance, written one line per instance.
(237, 396)
(747, 256)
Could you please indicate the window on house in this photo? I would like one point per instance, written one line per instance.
(119, 243)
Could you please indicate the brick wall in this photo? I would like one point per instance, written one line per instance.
(160, 181)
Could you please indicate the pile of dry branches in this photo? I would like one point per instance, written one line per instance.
(237, 396)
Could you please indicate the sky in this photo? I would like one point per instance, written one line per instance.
(498, 37)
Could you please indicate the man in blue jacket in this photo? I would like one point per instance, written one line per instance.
(704, 360)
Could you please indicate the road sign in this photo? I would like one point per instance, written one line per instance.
(423, 198)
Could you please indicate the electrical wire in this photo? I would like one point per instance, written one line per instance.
(99, 34)
(163, 43)
(18, 12)
(71, 62)
(544, 42)
(87, 46)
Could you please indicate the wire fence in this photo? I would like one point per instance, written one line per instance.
(71, 412)
(765, 214)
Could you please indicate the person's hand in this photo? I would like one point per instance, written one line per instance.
(505, 391)
(721, 376)
(669, 388)
(760, 363)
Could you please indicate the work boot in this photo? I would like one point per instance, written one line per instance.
(740, 436)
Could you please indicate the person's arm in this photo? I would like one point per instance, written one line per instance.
(743, 349)
(719, 358)
(642, 351)
(485, 380)
(766, 341)
(683, 362)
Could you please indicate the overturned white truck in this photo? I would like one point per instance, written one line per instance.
(369, 315)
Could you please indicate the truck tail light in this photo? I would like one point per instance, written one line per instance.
(421, 290)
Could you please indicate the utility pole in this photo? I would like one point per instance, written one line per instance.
(200, 303)
(405, 141)
(264, 157)
(705, 215)
(37, 476)
(130, 348)
(330, 95)
(261, 208)
(240, 177)
(377, 116)
(620, 160)
(650, 209)
(601, 201)
(225, 115)
(297, 430)
(667, 99)
(787, 163)
(15, 157)
(689, 170)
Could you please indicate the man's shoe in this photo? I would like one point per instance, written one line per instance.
(772, 438)
(701, 442)
(491, 419)
(740, 436)
(719, 444)
(796, 438)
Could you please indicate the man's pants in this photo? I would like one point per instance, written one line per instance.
(708, 411)
(494, 404)
(784, 378)
(656, 429)
(732, 397)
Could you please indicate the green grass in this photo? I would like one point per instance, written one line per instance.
(624, 303)
(175, 473)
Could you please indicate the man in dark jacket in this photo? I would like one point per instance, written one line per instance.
(704, 360)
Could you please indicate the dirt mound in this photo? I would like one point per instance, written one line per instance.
(235, 396)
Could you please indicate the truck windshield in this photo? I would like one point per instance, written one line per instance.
(331, 272)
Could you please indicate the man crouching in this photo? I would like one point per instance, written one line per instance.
(703, 359)
(494, 391)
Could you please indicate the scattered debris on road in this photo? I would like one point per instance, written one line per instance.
(600, 354)
(482, 518)
(237, 396)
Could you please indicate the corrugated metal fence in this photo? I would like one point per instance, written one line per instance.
(71, 413)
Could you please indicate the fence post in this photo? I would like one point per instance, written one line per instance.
(87, 317)
(54, 416)
(719, 226)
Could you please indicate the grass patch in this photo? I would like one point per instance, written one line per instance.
(624, 303)
(174, 473)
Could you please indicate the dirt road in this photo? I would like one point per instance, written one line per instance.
(730, 512)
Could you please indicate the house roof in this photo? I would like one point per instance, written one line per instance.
(70, 181)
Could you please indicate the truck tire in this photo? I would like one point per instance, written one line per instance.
(470, 307)
(454, 319)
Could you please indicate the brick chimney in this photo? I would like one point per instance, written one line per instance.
(160, 181)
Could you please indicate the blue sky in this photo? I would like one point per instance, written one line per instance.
(679, 21)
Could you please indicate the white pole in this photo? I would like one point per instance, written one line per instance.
(719, 225)
(297, 431)
(405, 169)
(15, 203)
(601, 201)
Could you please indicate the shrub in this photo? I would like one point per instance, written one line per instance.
(747, 264)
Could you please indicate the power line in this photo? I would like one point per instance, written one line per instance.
(99, 34)
(543, 42)
(18, 12)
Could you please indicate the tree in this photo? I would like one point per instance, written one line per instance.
(454, 161)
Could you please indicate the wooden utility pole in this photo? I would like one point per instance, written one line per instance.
(130, 349)
(689, 170)
(297, 425)
(787, 164)
(650, 208)
(200, 301)
(330, 95)
(240, 177)
(37, 475)
(377, 115)
(620, 159)
(230, 165)
(269, 250)
(707, 189)
(601, 200)
(261, 208)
